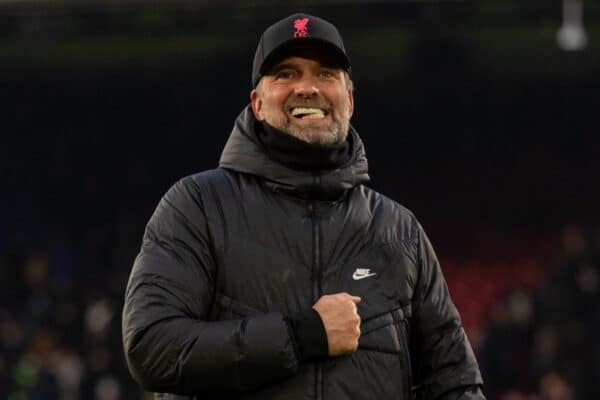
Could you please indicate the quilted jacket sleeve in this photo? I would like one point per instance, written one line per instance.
(169, 344)
(445, 366)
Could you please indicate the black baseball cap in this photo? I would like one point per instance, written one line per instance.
(297, 33)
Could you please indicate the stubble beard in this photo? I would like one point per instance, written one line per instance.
(336, 132)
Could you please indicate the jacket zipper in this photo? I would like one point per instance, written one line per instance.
(316, 288)
(316, 273)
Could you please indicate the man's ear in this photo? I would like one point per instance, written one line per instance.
(350, 102)
(256, 103)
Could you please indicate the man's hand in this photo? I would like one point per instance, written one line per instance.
(341, 321)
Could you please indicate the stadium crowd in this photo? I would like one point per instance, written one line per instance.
(60, 334)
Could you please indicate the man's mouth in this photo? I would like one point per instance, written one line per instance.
(308, 113)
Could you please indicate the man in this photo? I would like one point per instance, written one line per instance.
(279, 275)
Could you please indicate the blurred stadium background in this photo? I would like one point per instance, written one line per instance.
(477, 115)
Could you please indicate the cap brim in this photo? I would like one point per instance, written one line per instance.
(314, 48)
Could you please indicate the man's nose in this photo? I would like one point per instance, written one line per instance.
(306, 87)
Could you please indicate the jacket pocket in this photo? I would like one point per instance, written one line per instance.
(380, 332)
(402, 328)
(389, 333)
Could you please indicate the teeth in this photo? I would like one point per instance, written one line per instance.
(305, 112)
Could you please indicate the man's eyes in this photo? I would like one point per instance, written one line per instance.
(285, 74)
(291, 74)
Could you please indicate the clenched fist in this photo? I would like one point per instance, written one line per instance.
(341, 321)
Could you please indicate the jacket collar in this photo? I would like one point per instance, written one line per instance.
(244, 153)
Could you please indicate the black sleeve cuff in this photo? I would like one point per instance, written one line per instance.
(309, 335)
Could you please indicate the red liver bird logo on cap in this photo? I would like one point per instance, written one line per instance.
(301, 28)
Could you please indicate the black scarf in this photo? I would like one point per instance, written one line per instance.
(302, 156)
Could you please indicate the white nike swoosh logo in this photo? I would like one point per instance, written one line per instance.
(357, 276)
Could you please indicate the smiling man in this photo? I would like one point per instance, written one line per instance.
(306, 98)
(279, 274)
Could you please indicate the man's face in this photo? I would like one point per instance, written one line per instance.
(306, 99)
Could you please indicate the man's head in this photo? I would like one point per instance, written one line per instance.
(302, 80)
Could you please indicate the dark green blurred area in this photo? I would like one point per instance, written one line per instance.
(110, 35)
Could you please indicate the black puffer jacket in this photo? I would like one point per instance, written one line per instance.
(230, 252)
